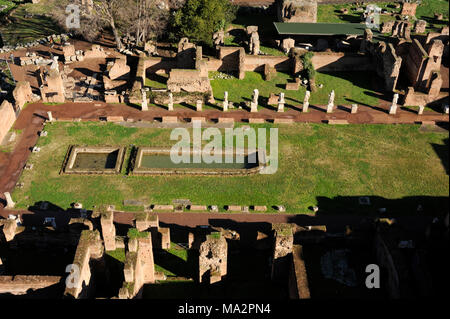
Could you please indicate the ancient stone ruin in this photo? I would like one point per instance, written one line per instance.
(297, 11)
(213, 258)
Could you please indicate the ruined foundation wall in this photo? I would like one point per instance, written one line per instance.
(22, 94)
(108, 230)
(213, 256)
(385, 260)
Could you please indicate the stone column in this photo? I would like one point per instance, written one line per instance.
(420, 111)
(281, 103)
(144, 101)
(306, 101)
(9, 202)
(354, 108)
(393, 109)
(330, 102)
(199, 105)
(170, 105)
(254, 103)
(225, 102)
(50, 116)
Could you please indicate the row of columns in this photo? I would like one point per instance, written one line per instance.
(282, 102)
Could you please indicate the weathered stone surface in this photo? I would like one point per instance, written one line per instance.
(297, 11)
(213, 258)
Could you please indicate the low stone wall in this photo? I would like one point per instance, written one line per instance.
(20, 285)
(298, 281)
(339, 61)
(213, 255)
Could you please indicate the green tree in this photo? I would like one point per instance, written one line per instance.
(199, 19)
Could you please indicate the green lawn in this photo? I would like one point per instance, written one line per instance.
(316, 162)
(330, 13)
(342, 82)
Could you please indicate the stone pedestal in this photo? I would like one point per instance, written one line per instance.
(354, 108)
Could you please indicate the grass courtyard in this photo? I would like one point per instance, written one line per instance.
(329, 166)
